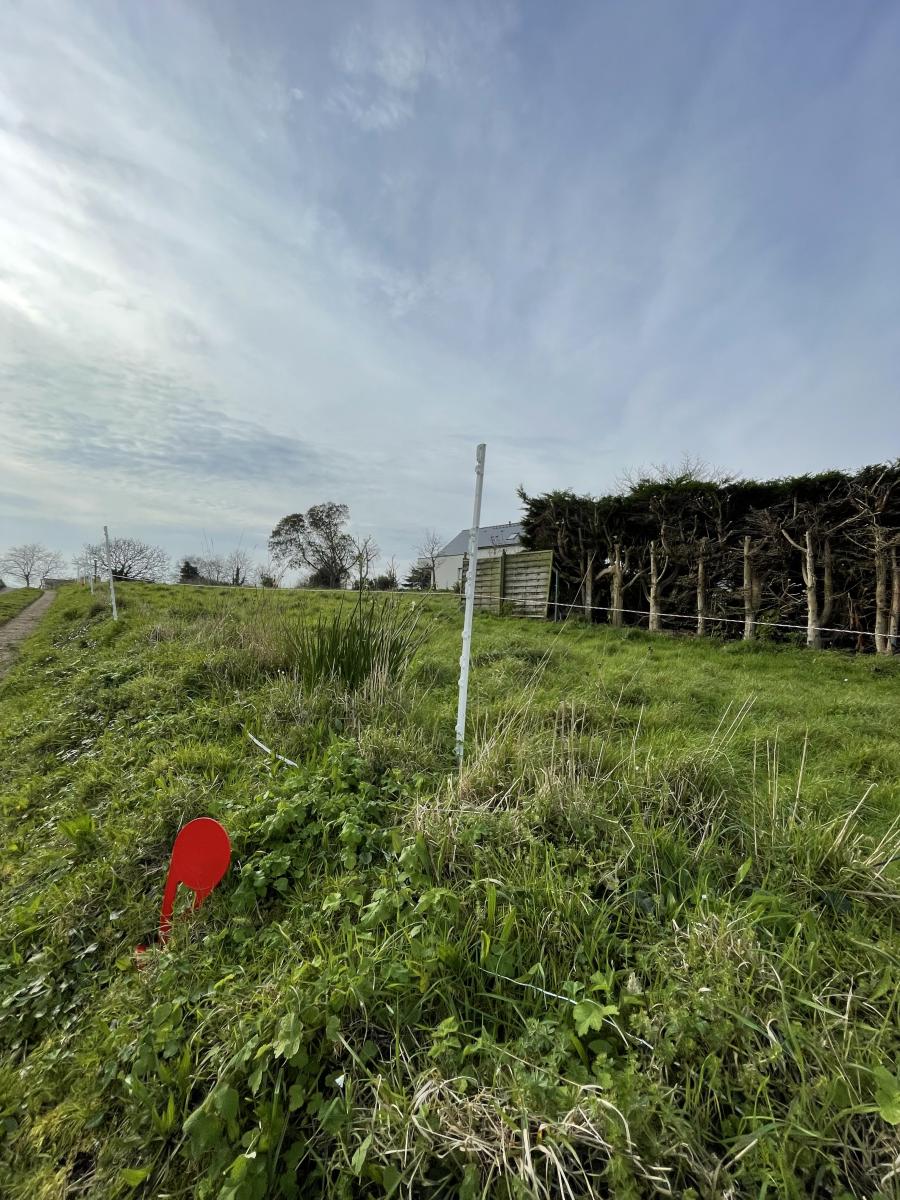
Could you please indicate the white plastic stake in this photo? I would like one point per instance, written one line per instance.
(470, 607)
(112, 586)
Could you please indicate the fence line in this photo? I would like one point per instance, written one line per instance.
(643, 612)
(520, 603)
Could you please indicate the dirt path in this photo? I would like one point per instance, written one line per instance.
(20, 627)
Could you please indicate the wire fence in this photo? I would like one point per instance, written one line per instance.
(709, 618)
(572, 608)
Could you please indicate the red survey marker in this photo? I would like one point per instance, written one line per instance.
(200, 858)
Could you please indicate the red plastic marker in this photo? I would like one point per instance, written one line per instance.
(200, 858)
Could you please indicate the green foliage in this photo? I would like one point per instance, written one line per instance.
(419, 578)
(645, 943)
(887, 1095)
(316, 540)
(710, 552)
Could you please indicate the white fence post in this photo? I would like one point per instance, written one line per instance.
(112, 586)
(470, 607)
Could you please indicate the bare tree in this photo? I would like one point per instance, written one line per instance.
(815, 512)
(428, 550)
(238, 565)
(365, 555)
(210, 568)
(876, 496)
(130, 558)
(84, 565)
(31, 562)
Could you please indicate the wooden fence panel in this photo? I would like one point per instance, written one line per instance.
(526, 582)
(488, 584)
(514, 583)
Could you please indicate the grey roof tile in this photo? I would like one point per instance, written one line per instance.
(488, 535)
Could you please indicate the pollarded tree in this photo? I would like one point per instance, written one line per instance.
(654, 511)
(30, 563)
(131, 558)
(612, 516)
(593, 539)
(684, 514)
(875, 493)
(813, 515)
(817, 510)
(573, 527)
(756, 554)
(318, 541)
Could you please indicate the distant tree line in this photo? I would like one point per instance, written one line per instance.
(317, 543)
(235, 569)
(817, 551)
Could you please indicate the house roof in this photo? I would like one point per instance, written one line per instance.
(488, 536)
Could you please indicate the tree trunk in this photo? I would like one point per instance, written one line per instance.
(808, 566)
(655, 623)
(882, 601)
(752, 588)
(588, 589)
(701, 595)
(894, 622)
(617, 588)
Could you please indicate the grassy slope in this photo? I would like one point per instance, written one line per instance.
(335, 1021)
(12, 602)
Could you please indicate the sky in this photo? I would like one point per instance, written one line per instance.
(255, 257)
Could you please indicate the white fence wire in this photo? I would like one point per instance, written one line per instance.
(709, 618)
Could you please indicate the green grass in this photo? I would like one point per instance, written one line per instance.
(12, 602)
(645, 944)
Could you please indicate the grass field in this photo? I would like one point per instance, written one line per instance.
(646, 944)
(12, 602)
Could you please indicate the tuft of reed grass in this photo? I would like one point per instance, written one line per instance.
(368, 642)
